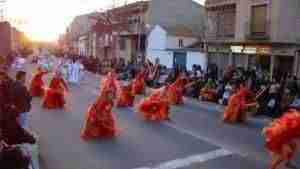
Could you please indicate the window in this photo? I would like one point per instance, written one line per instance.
(139, 19)
(180, 43)
(122, 43)
(226, 22)
(130, 20)
(259, 19)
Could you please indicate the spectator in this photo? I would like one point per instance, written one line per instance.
(12, 158)
(154, 76)
(11, 131)
(21, 98)
(208, 92)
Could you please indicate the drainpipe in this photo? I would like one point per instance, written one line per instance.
(272, 66)
(296, 63)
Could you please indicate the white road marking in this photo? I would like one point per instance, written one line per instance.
(215, 142)
(185, 162)
(201, 138)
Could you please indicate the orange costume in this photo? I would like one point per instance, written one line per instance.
(138, 84)
(109, 82)
(281, 136)
(54, 95)
(207, 94)
(37, 84)
(236, 109)
(175, 91)
(99, 120)
(125, 97)
(155, 107)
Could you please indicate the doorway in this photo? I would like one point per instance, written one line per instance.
(180, 59)
(284, 66)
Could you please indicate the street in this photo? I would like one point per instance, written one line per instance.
(195, 138)
(238, 52)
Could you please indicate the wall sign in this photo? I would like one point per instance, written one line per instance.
(224, 49)
(237, 49)
(250, 50)
(264, 50)
(212, 49)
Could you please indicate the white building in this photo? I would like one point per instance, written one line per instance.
(170, 45)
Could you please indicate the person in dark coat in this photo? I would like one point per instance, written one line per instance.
(12, 157)
(21, 98)
(11, 131)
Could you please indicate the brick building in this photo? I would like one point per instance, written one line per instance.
(120, 32)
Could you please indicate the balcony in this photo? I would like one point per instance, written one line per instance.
(133, 28)
(216, 3)
(263, 35)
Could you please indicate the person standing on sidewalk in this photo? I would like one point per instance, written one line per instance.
(22, 98)
(11, 131)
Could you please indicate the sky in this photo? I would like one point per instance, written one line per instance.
(45, 20)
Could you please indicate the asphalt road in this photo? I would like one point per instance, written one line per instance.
(194, 139)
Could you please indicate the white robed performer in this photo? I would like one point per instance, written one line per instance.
(60, 66)
(19, 63)
(81, 72)
(44, 63)
(74, 70)
(64, 70)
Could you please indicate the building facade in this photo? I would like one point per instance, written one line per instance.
(174, 13)
(120, 32)
(5, 39)
(127, 34)
(254, 33)
(80, 26)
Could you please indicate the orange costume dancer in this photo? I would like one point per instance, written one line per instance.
(37, 84)
(55, 95)
(99, 120)
(156, 106)
(109, 82)
(175, 91)
(282, 137)
(236, 109)
(138, 83)
(125, 97)
(208, 94)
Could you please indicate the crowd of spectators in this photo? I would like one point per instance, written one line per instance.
(210, 84)
(273, 95)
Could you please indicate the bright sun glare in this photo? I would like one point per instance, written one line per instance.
(44, 20)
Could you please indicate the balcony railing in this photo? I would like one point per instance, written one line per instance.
(136, 28)
(264, 35)
(210, 3)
